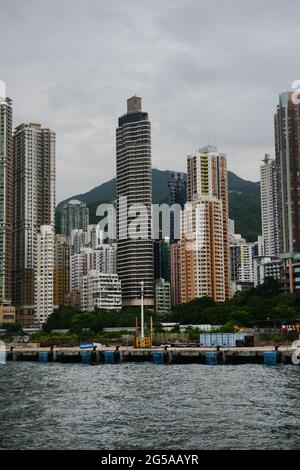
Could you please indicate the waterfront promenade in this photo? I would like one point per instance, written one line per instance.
(107, 354)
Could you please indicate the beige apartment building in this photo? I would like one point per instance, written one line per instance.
(7, 315)
(207, 178)
(202, 256)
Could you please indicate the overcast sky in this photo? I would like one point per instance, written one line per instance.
(207, 70)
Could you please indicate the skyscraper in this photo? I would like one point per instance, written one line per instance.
(175, 273)
(34, 206)
(287, 151)
(177, 189)
(202, 254)
(135, 262)
(207, 177)
(44, 274)
(61, 269)
(269, 207)
(6, 198)
(177, 195)
(74, 215)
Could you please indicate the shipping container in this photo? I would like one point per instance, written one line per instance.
(214, 339)
(225, 340)
(208, 340)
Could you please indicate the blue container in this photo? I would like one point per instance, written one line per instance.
(109, 357)
(270, 358)
(43, 357)
(2, 357)
(211, 358)
(85, 357)
(158, 357)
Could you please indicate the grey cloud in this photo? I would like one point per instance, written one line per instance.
(207, 71)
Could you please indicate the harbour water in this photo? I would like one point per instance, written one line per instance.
(146, 406)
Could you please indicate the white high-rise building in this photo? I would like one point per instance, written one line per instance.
(34, 206)
(265, 267)
(102, 260)
(94, 237)
(269, 209)
(77, 241)
(245, 273)
(241, 256)
(44, 275)
(78, 268)
(100, 291)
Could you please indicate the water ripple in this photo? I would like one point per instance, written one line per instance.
(143, 406)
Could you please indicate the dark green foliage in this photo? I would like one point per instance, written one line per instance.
(245, 309)
(14, 329)
(76, 322)
(244, 206)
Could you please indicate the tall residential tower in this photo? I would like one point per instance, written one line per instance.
(207, 185)
(135, 263)
(6, 197)
(287, 150)
(269, 208)
(34, 206)
(74, 215)
(44, 275)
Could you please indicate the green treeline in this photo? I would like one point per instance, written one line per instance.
(262, 303)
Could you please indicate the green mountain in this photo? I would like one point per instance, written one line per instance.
(244, 201)
(244, 206)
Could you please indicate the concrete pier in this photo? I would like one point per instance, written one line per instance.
(109, 355)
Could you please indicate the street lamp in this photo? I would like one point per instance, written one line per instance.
(142, 311)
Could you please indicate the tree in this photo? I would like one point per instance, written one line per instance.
(14, 329)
